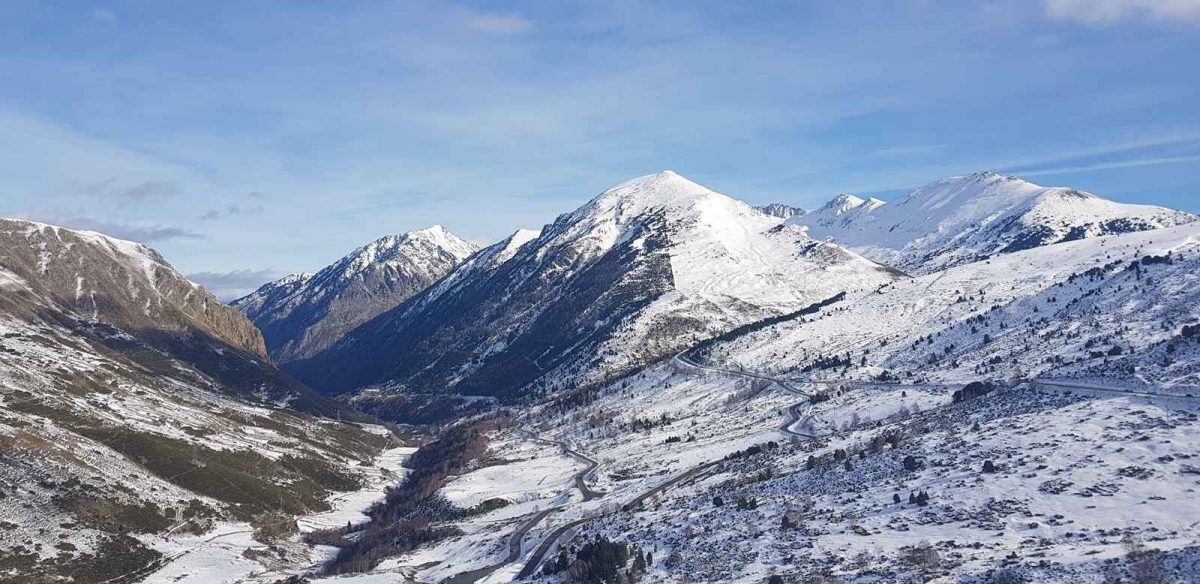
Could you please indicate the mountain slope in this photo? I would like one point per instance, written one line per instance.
(302, 314)
(126, 284)
(642, 270)
(968, 218)
(133, 403)
(1112, 306)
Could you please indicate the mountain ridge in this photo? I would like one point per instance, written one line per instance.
(302, 314)
(962, 219)
(637, 272)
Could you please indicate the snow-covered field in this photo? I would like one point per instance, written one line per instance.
(221, 556)
(347, 508)
(531, 475)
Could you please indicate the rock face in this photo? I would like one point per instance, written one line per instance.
(115, 282)
(965, 219)
(303, 314)
(781, 211)
(644, 269)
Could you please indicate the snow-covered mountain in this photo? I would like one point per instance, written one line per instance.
(644, 269)
(302, 314)
(114, 282)
(133, 403)
(1111, 306)
(845, 442)
(781, 210)
(964, 219)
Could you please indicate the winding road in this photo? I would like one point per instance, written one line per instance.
(580, 477)
(793, 411)
(793, 417)
(517, 539)
(1059, 384)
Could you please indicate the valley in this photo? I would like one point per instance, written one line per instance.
(665, 384)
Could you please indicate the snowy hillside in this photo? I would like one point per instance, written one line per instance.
(112, 281)
(302, 314)
(1024, 418)
(133, 405)
(642, 270)
(1110, 306)
(968, 218)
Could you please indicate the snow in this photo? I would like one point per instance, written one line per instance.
(1017, 290)
(964, 218)
(347, 508)
(218, 556)
(536, 478)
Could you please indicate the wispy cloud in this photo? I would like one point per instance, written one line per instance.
(136, 192)
(1107, 165)
(119, 230)
(1108, 12)
(230, 211)
(233, 284)
(500, 23)
(150, 190)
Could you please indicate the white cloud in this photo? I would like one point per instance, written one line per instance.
(1111, 165)
(120, 230)
(1106, 12)
(233, 284)
(500, 23)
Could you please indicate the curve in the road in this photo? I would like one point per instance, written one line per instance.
(793, 412)
(517, 539)
(581, 476)
(535, 558)
(515, 546)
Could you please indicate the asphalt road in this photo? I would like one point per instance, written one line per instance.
(535, 558)
(1056, 384)
(517, 538)
(515, 542)
(580, 477)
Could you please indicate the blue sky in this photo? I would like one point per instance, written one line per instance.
(245, 140)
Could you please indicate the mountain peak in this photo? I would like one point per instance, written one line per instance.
(431, 230)
(842, 203)
(966, 218)
(666, 182)
(302, 314)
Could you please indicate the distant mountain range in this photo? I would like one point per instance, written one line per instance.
(132, 401)
(645, 269)
(781, 211)
(969, 218)
(303, 314)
